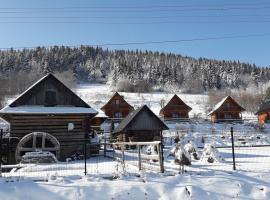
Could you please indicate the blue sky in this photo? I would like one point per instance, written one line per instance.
(31, 23)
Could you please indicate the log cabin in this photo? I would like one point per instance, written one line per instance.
(47, 117)
(175, 109)
(141, 125)
(117, 108)
(97, 121)
(226, 110)
(263, 112)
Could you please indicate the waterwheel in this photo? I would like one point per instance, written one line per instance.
(37, 141)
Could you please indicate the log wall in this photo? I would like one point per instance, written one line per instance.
(56, 125)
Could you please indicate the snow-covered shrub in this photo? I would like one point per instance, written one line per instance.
(181, 156)
(38, 157)
(210, 154)
(151, 150)
(192, 149)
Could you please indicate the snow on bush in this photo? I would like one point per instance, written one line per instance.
(39, 157)
(192, 149)
(210, 154)
(181, 156)
(150, 150)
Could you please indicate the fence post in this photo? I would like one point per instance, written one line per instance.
(139, 158)
(1, 136)
(105, 146)
(123, 154)
(161, 163)
(87, 121)
(160, 147)
(233, 155)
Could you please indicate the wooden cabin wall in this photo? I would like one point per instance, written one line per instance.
(222, 115)
(169, 113)
(138, 136)
(110, 111)
(36, 96)
(111, 107)
(56, 125)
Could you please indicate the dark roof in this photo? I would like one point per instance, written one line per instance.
(220, 104)
(22, 98)
(265, 106)
(133, 122)
(180, 104)
(122, 98)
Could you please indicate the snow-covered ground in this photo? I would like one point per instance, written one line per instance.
(201, 180)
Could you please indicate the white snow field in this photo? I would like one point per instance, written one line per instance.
(110, 179)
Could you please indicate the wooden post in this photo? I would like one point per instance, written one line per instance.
(233, 155)
(85, 140)
(105, 146)
(161, 152)
(139, 158)
(123, 154)
(161, 163)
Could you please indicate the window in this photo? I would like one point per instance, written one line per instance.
(228, 116)
(50, 98)
(117, 102)
(228, 105)
(118, 115)
(175, 115)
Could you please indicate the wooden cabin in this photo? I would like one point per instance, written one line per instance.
(97, 121)
(48, 117)
(175, 109)
(117, 107)
(141, 125)
(263, 112)
(226, 110)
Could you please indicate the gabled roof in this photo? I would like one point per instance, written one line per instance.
(125, 125)
(20, 104)
(116, 94)
(180, 103)
(264, 107)
(219, 104)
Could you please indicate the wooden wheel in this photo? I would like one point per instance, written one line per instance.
(37, 141)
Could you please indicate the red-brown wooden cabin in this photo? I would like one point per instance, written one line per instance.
(264, 112)
(175, 109)
(226, 110)
(117, 107)
(96, 121)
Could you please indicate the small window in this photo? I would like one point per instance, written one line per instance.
(227, 105)
(117, 102)
(50, 98)
(118, 115)
(175, 115)
(228, 116)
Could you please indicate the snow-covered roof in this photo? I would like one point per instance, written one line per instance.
(101, 114)
(219, 104)
(47, 110)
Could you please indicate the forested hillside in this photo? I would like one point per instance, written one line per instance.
(102, 65)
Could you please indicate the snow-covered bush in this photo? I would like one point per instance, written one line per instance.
(210, 154)
(181, 156)
(151, 150)
(192, 149)
(38, 157)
